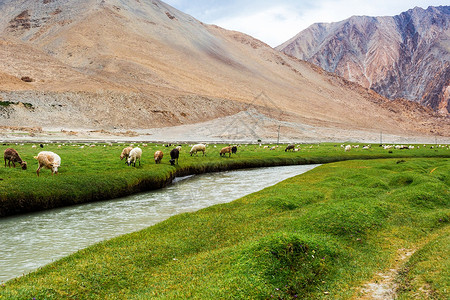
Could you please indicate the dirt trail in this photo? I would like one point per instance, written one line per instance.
(383, 286)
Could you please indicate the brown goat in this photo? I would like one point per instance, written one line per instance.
(158, 156)
(290, 147)
(125, 153)
(13, 157)
(225, 150)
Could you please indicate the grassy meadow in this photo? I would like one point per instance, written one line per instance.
(96, 173)
(322, 234)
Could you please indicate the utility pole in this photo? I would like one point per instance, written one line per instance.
(278, 139)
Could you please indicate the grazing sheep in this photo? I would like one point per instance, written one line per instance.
(49, 160)
(125, 153)
(178, 148)
(225, 150)
(197, 148)
(348, 148)
(234, 149)
(174, 154)
(273, 148)
(290, 147)
(158, 156)
(13, 157)
(134, 155)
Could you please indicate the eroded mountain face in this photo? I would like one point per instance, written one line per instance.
(143, 64)
(405, 56)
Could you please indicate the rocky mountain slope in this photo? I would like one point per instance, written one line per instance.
(405, 56)
(141, 64)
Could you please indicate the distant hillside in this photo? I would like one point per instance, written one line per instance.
(406, 56)
(108, 64)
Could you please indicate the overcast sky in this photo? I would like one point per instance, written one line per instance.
(276, 21)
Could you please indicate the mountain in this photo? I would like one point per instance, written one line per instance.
(142, 64)
(405, 56)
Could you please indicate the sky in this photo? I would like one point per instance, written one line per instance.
(276, 21)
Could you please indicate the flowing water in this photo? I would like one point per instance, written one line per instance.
(30, 241)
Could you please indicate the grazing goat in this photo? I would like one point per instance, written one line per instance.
(197, 148)
(289, 147)
(174, 154)
(13, 157)
(134, 155)
(125, 153)
(225, 150)
(49, 160)
(234, 149)
(158, 156)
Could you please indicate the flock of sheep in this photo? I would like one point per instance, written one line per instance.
(132, 155)
(51, 160)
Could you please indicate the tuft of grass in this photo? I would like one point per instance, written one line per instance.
(427, 273)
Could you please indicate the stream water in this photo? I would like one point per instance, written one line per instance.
(30, 241)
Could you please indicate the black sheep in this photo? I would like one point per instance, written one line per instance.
(174, 154)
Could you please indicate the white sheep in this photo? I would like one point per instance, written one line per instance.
(49, 160)
(197, 148)
(348, 148)
(178, 148)
(135, 154)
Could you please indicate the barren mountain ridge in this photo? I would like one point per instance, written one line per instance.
(141, 65)
(405, 56)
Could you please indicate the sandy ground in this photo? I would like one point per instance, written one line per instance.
(243, 127)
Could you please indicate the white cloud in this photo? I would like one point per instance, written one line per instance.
(274, 22)
(269, 25)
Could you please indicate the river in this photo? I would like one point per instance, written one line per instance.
(33, 240)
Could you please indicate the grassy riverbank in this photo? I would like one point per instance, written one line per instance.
(96, 173)
(323, 234)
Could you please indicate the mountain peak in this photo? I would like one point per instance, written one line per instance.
(405, 56)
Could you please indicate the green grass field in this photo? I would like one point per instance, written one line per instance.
(323, 234)
(96, 173)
